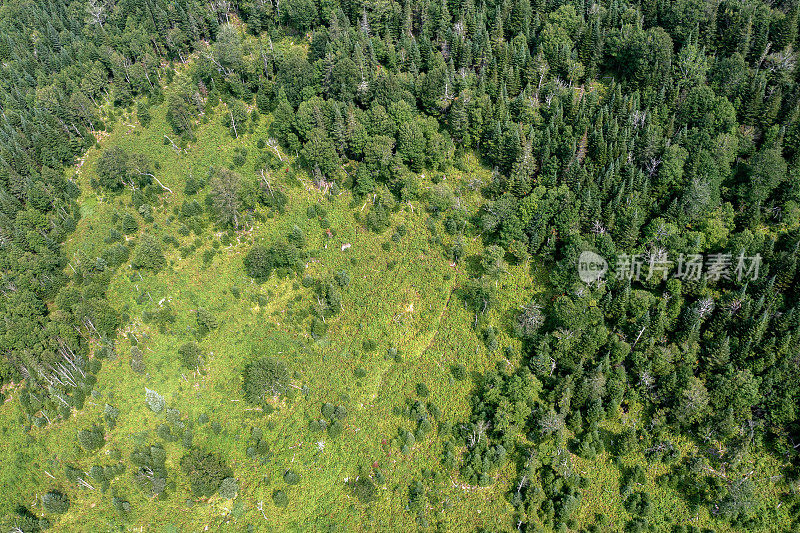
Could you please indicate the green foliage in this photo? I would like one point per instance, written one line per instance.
(154, 400)
(205, 471)
(638, 503)
(129, 224)
(319, 154)
(280, 498)
(190, 355)
(335, 429)
(225, 197)
(110, 414)
(329, 299)
(148, 255)
(55, 502)
(120, 504)
(91, 438)
(182, 104)
(229, 488)
(151, 472)
(112, 168)
(290, 477)
(339, 412)
(342, 278)
(263, 379)
(365, 490)
(377, 219)
(258, 444)
(529, 320)
(143, 113)
(633, 129)
(260, 261)
(206, 321)
(459, 372)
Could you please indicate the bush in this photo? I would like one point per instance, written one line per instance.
(116, 255)
(365, 490)
(335, 429)
(369, 345)
(154, 400)
(265, 378)
(318, 328)
(26, 521)
(205, 471)
(529, 321)
(342, 278)
(191, 208)
(291, 477)
(148, 255)
(296, 237)
(284, 255)
(92, 438)
(422, 390)
(129, 224)
(165, 433)
(638, 503)
(152, 472)
(280, 498)
(190, 355)
(258, 262)
(112, 168)
(459, 372)
(206, 321)
(377, 219)
(121, 505)
(55, 502)
(110, 414)
(143, 113)
(229, 488)
(239, 158)
(192, 186)
(490, 339)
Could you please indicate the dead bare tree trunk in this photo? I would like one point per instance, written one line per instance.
(156, 180)
(233, 123)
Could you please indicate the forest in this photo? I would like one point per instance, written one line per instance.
(415, 265)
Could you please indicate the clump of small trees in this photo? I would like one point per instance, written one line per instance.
(331, 420)
(151, 472)
(260, 261)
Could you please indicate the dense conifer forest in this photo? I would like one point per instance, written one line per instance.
(417, 265)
